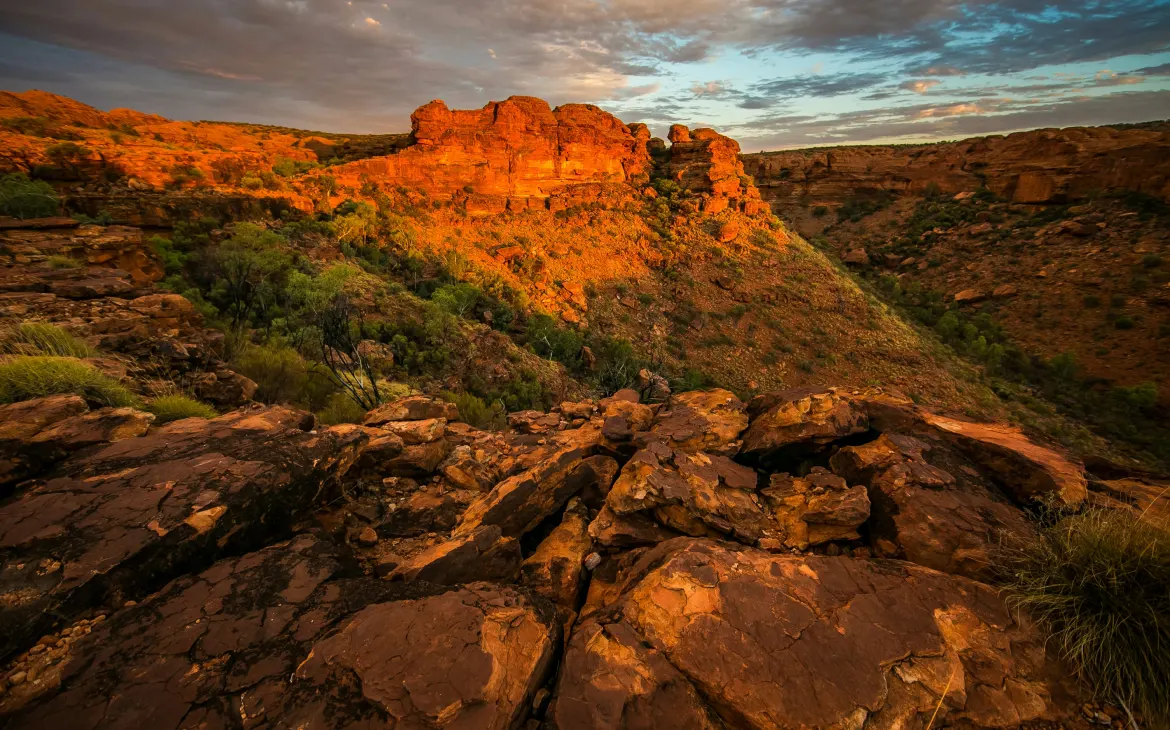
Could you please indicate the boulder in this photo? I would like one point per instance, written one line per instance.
(742, 638)
(694, 494)
(116, 523)
(425, 431)
(21, 422)
(557, 569)
(801, 420)
(709, 420)
(624, 531)
(411, 408)
(430, 509)
(417, 461)
(927, 514)
(970, 296)
(816, 508)
(224, 388)
(482, 554)
(520, 503)
(1028, 470)
(279, 638)
(856, 257)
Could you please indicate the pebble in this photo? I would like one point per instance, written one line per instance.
(592, 561)
(17, 679)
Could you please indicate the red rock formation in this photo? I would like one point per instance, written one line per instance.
(507, 152)
(706, 162)
(1043, 166)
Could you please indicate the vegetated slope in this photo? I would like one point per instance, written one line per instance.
(647, 256)
(1050, 258)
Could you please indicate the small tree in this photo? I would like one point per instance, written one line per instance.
(251, 269)
(341, 353)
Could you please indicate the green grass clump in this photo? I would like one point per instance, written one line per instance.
(26, 377)
(176, 407)
(63, 262)
(1100, 583)
(39, 338)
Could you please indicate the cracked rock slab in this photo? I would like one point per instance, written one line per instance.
(770, 641)
(801, 419)
(702, 420)
(115, 523)
(279, 638)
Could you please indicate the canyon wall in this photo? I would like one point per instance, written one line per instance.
(514, 150)
(1042, 166)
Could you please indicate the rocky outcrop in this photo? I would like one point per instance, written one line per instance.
(119, 522)
(708, 635)
(98, 247)
(673, 579)
(1042, 166)
(508, 153)
(708, 163)
(279, 638)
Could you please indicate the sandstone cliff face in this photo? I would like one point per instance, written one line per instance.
(1042, 166)
(704, 161)
(515, 149)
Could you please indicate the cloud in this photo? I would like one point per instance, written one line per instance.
(952, 110)
(346, 66)
(711, 88)
(951, 122)
(817, 85)
(919, 86)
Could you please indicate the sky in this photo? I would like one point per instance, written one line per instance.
(774, 74)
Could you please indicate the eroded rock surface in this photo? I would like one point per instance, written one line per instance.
(279, 638)
(765, 641)
(119, 522)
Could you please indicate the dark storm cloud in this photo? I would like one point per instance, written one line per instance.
(363, 65)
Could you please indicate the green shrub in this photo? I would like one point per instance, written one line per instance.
(284, 376)
(340, 408)
(35, 376)
(1100, 583)
(820, 211)
(1124, 322)
(1151, 261)
(167, 408)
(475, 411)
(40, 338)
(22, 198)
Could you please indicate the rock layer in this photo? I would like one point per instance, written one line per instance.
(508, 152)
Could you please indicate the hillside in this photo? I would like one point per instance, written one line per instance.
(529, 420)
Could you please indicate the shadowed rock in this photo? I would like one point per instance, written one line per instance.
(119, 522)
(928, 515)
(279, 639)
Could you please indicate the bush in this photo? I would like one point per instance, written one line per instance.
(284, 376)
(820, 211)
(1124, 322)
(1100, 583)
(35, 376)
(22, 198)
(341, 409)
(475, 411)
(167, 408)
(39, 338)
